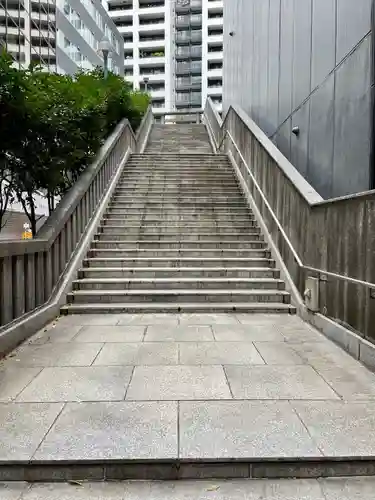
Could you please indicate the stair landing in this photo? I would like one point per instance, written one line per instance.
(166, 396)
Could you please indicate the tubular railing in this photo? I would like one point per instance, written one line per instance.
(332, 240)
(31, 270)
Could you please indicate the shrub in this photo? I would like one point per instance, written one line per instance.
(52, 125)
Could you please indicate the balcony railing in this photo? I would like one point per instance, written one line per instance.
(193, 5)
(184, 37)
(183, 68)
(193, 99)
(189, 52)
(188, 83)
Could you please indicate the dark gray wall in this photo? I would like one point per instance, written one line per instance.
(306, 63)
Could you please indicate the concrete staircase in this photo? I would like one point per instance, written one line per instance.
(178, 237)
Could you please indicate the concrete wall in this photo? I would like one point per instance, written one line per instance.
(306, 63)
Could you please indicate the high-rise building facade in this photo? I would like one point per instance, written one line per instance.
(28, 31)
(81, 26)
(173, 49)
(60, 35)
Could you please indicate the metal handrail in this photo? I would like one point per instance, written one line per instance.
(297, 258)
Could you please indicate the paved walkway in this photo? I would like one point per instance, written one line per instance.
(326, 489)
(183, 386)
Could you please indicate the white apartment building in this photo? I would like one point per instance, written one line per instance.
(60, 35)
(173, 48)
(81, 26)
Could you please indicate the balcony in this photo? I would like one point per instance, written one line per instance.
(157, 45)
(193, 52)
(184, 68)
(186, 100)
(215, 22)
(187, 37)
(215, 90)
(215, 53)
(196, 20)
(191, 6)
(188, 83)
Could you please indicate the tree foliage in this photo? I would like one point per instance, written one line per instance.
(52, 125)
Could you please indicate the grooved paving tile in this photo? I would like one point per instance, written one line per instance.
(143, 353)
(12, 491)
(178, 383)
(110, 334)
(277, 382)
(13, 381)
(190, 333)
(123, 430)
(278, 353)
(354, 488)
(68, 354)
(295, 489)
(208, 319)
(152, 319)
(218, 353)
(270, 319)
(361, 488)
(246, 333)
(339, 428)
(92, 383)
(23, 426)
(242, 429)
(89, 319)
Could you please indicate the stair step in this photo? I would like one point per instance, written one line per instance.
(179, 272)
(178, 262)
(178, 253)
(168, 295)
(110, 232)
(248, 308)
(156, 245)
(137, 283)
(177, 236)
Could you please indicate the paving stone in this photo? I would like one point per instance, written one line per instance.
(355, 382)
(208, 319)
(14, 380)
(278, 353)
(64, 354)
(246, 333)
(55, 333)
(143, 353)
(91, 383)
(219, 353)
(242, 429)
(23, 426)
(339, 428)
(110, 334)
(270, 319)
(177, 383)
(150, 490)
(126, 430)
(12, 491)
(190, 333)
(152, 319)
(277, 382)
(295, 489)
(355, 488)
(324, 353)
(90, 319)
(303, 333)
